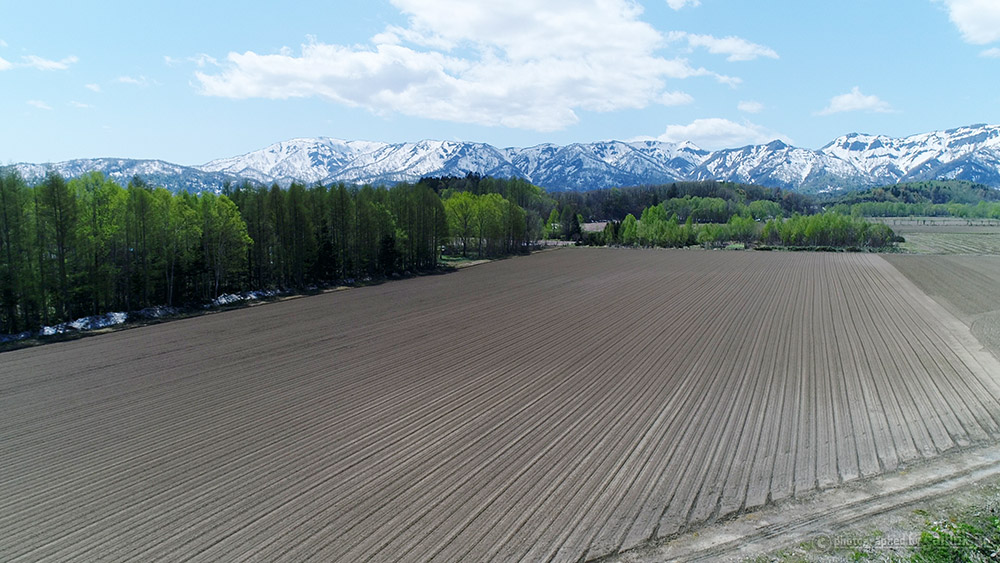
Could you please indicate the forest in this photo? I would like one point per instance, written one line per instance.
(616, 203)
(938, 198)
(87, 246)
(822, 231)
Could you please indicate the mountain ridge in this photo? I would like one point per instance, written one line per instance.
(851, 161)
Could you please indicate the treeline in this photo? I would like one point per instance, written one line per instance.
(930, 192)
(88, 246)
(937, 198)
(616, 203)
(981, 210)
(303, 237)
(488, 224)
(824, 230)
(827, 230)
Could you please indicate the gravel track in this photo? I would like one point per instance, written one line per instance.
(564, 406)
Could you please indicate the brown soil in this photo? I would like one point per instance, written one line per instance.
(562, 406)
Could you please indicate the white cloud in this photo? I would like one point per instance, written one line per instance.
(80, 105)
(141, 81)
(3, 43)
(201, 60)
(36, 62)
(678, 4)
(717, 133)
(675, 99)
(993, 53)
(737, 48)
(856, 101)
(45, 64)
(39, 104)
(93, 87)
(978, 20)
(750, 107)
(512, 64)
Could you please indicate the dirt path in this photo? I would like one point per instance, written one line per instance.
(818, 520)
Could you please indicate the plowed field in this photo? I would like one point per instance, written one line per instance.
(561, 406)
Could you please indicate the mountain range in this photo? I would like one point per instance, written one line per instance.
(848, 162)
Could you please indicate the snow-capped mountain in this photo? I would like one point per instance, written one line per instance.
(608, 163)
(575, 167)
(851, 161)
(968, 153)
(857, 161)
(122, 170)
(303, 160)
(779, 165)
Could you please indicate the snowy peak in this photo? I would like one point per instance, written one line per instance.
(851, 161)
(304, 160)
(779, 165)
(576, 166)
(122, 170)
(924, 156)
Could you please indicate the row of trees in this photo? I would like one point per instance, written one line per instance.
(564, 222)
(981, 210)
(929, 191)
(615, 204)
(718, 210)
(829, 229)
(88, 245)
(303, 237)
(488, 224)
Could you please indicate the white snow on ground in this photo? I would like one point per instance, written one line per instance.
(15, 337)
(117, 318)
(86, 323)
(157, 312)
(227, 298)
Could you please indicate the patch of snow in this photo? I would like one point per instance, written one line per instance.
(4, 338)
(157, 312)
(85, 323)
(99, 321)
(229, 298)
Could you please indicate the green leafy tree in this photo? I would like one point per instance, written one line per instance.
(101, 246)
(300, 243)
(742, 229)
(629, 231)
(552, 225)
(488, 222)
(224, 239)
(180, 238)
(762, 210)
(342, 229)
(460, 209)
(609, 235)
(16, 295)
(58, 217)
(569, 223)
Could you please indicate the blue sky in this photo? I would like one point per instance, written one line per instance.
(189, 82)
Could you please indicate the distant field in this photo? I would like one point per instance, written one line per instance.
(947, 235)
(969, 286)
(562, 406)
(940, 224)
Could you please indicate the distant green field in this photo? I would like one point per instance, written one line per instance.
(947, 235)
